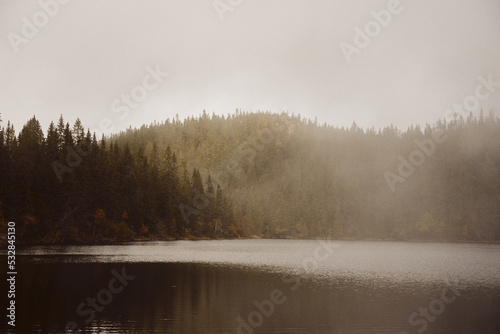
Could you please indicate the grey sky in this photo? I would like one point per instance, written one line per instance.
(267, 55)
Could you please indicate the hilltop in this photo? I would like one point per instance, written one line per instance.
(253, 175)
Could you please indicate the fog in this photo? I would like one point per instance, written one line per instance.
(287, 55)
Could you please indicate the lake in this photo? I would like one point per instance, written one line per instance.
(258, 286)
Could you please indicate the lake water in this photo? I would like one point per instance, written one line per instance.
(258, 286)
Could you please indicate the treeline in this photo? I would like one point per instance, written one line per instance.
(69, 187)
(290, 177)
(254, 175)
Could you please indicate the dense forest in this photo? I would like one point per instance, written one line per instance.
(259, 175)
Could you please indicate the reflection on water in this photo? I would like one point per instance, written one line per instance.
(262, 286)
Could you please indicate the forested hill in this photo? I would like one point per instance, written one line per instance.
(253, 175)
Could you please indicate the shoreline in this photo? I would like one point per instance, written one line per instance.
(3, 242)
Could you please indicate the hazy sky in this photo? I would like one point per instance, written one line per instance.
(247, 54)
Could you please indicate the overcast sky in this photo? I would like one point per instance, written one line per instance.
(247, 54)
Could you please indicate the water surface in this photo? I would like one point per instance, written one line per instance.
(228, 286)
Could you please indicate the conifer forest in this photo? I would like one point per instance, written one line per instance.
(252, 175)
